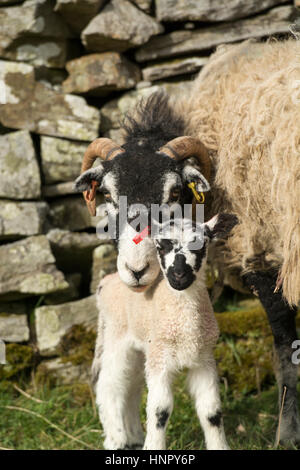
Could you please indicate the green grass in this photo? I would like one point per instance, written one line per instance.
(250, 421)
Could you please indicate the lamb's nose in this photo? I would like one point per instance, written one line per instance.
(179, 275)
(139, 274)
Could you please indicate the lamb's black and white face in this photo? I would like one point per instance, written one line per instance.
(145, 177)
(182, 255)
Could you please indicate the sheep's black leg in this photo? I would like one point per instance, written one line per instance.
(282, 321)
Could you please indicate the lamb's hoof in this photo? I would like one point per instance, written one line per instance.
(136, 446)
(226, 447)
(114, 444)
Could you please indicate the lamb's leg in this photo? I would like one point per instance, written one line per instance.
(159, 408)
(204, 387)
(282, 321)
(112, 391)
(96, 365)
(135, 377)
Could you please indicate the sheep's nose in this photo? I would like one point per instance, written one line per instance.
(139, 274)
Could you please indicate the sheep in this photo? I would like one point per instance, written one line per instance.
(245, 107)
(143, 171)
(240, 117)
(170, 326)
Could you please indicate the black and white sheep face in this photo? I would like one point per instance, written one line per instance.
(146, 178)
(182, 255)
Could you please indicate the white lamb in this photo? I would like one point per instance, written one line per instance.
(171, 325)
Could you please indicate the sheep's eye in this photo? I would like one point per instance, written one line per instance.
(107, 196)
(174, 194)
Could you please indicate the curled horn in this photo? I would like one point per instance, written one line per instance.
(185, 147)
(105, 149)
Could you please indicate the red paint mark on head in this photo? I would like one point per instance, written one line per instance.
(140, 236)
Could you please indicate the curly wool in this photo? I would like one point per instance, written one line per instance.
(245, 107)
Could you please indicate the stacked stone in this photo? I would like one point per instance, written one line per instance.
(69, 72)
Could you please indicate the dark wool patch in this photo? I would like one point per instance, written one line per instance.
(154, 123)
(224, 225)
(215, 420)
(142, 169)
(165, 246)
(280, 315)
(162, 417)
(140, 174)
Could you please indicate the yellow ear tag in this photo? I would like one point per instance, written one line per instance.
(199, 197)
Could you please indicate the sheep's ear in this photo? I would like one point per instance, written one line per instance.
(191, 173)
(84, 181)
(220, 226)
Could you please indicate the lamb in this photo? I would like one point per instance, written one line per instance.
(170, 326)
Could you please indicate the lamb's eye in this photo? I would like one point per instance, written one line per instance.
(164, 246)
(174, 194)
(107, 196)
(162, 251)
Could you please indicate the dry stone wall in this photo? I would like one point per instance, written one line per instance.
(69, 72)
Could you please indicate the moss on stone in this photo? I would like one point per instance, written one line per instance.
(18, 357)
(77, 346)
(241, 322)
(245, 363)
(42, 377)
(244, 352)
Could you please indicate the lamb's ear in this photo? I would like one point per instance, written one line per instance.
(156, 242)
(220, 226)
(84, 181)
(191, 172)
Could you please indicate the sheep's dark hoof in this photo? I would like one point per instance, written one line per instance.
(290, 444)
(289, 435)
